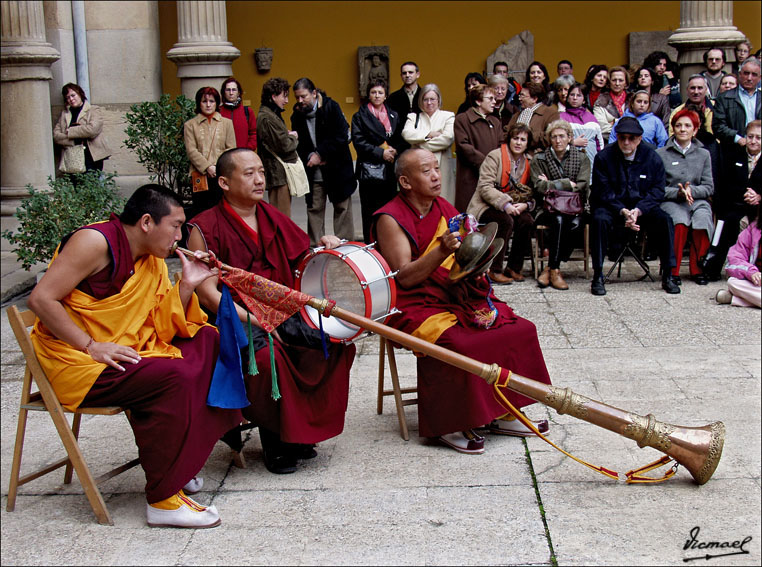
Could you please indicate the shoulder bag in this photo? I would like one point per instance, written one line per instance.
(73, 159)
(565, 202)
(296, 176)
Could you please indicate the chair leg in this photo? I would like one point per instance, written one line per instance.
(75, 455)
(18, 448)
(13, 486)
(380, 399)
(397, 394)
(618, 261)
(587, 251)
(75, 431)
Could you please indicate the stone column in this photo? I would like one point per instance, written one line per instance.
(703, 24)
(202, 53)
(25, 60)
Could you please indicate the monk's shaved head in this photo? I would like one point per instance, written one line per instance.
(406, 159)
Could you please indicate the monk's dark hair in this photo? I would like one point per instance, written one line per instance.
(226, 163)
(156, 200)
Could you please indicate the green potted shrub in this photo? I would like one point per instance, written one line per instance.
(46, 216)
(155, 133)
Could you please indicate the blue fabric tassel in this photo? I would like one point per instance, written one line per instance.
(227, 389)
(322, 337)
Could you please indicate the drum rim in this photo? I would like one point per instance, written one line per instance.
(392, 284)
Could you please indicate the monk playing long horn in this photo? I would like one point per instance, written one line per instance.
(460, 313)
(112, 330)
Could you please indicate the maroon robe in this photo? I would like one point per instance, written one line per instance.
(174, 429)
(451, 399)
(314, 390)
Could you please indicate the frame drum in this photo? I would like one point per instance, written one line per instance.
(356, 277)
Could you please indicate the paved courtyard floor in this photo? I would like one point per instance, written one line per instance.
(371, 498)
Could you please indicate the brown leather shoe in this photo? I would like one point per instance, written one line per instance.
(557, 280)
(499, 278)
(543, 280)
(517, 277)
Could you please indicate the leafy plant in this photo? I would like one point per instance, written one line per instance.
(47, 216)
(155, 134)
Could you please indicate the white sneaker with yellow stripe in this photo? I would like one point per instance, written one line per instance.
(180, 511)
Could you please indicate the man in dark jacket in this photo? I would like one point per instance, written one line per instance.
(735, 108)
(324, 150)
(405, 100)
(627, 190)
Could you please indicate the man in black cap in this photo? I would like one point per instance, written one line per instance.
(627, 189)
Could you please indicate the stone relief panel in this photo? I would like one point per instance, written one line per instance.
(518, 52)
(643, 43)
(373, 63)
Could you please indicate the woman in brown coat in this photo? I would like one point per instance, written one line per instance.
(534, 114)
(477, 133)
(207, 135)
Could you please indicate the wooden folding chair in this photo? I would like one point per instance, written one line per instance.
(385, 347)
(538, 260)
(45, 400)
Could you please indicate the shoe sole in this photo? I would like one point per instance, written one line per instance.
(498, 431)
(461, 449)
(214, 525)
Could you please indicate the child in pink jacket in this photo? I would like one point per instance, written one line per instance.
(743, 268)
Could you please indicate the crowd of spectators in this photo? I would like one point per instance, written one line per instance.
(699, 184)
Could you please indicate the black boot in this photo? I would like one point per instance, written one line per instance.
(597, 287)
(278, 459)
(668, 283)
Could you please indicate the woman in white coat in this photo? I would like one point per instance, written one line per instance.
(432, 130)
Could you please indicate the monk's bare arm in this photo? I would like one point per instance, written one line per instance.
(85, 254)
(395, 247)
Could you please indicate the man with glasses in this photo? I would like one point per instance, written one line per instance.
(714, 60)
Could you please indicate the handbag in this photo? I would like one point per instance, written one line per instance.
(372, 171)
(199, 181)
(296, 175)
(565, 202)
(73, 159)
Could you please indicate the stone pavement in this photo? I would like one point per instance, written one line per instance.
(371, 498)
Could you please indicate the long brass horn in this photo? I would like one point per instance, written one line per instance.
(698, 449)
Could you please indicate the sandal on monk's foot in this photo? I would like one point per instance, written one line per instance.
(466, 442)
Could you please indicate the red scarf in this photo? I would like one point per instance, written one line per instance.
(382, 116)
(618, 101)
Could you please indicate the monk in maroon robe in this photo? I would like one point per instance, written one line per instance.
(413, 235)
(112, 330)
(245, 232)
